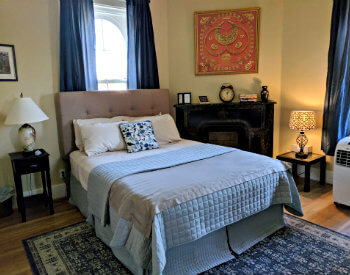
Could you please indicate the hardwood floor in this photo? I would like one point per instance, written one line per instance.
(35, 209)
(13, 259)
(318, 208)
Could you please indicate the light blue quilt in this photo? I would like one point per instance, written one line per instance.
(192, 219)
(104, 176)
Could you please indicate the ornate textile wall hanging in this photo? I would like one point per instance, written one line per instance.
(227, 41)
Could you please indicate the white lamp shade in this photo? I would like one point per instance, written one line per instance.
(24, 110)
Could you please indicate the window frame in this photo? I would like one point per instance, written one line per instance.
(115, 14)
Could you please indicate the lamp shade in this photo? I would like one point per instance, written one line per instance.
(24, 110)
(302, 120)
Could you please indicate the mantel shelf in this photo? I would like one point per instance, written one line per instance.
(232, 104)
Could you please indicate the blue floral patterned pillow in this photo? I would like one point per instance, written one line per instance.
(138, 136)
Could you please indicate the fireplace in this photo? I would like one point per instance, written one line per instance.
(229, 139)
(246, 126)
(227, 133)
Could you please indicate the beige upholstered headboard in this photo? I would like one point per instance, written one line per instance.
(74, 105)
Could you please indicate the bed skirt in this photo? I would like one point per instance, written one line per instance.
(197, 256)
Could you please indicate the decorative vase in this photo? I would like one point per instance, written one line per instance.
(264, 94)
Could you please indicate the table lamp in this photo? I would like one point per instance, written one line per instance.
(302, 121)
(24, 111)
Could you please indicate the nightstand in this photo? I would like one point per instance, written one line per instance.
(26, 163)
(310, 160)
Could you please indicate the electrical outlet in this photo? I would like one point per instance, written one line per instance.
(62, 174)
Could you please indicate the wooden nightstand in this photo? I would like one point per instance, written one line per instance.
(310, 160)
(26, 163)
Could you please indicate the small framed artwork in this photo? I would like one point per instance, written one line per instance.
(187, 98)
(203, 99)
(8, 68)
(180, 98)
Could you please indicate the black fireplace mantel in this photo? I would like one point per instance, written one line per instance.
(253, 123)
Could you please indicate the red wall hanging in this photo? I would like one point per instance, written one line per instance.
(227, 41)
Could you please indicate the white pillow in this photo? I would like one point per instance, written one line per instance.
(164, 128)
(102, 137)
(135, 118)
(77, 123)
(119, 118)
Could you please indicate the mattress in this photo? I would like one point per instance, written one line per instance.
(82, 165)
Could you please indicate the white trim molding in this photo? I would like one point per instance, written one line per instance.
(58, 192)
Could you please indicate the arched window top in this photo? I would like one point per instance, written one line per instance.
(108, 36)
(111, 47)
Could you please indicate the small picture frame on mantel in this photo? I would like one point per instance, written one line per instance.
(203, 99)
(184, 98)
(187, 98)
(180, 98)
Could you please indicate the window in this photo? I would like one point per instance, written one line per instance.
(111, 46)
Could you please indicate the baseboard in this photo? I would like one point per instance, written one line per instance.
(58, 192)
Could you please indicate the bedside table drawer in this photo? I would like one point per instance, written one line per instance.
(31, 165)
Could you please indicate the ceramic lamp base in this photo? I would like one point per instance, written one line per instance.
(27, 136)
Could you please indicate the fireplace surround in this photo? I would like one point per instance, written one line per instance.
(247, 126)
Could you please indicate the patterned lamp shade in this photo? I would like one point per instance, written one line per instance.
(302, 120)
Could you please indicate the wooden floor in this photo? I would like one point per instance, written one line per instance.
(318, 208)
(13, 259)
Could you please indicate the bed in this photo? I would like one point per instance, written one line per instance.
(180, 209)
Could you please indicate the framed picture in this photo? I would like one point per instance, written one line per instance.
(8, 68)
(187, 98)
(203, 99)
(227, 41)
(180, 98)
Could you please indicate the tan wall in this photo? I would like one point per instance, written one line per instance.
(306, 33)
(294, 40)
(160, 27)
(33, 27)
(181, 53)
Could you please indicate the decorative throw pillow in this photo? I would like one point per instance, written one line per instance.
(138, 136)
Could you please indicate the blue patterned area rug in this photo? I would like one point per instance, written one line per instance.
(299, 248)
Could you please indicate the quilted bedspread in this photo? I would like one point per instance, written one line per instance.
(251, 183)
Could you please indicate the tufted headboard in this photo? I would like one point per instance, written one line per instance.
(74, 105)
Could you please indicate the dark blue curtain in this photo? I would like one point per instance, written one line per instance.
(142, 59)
(336, 116)
(77, 46)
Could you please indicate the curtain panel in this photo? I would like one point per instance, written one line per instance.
(77, 46)
(142, 59)
(336, 116)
